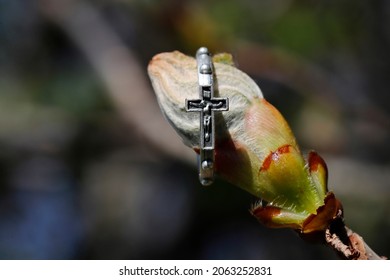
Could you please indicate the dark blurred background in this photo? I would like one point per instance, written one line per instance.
(89, 169)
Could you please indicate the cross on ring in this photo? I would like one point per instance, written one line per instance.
(206, 105)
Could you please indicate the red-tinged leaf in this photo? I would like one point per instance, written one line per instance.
(325, 214)
(276, 217)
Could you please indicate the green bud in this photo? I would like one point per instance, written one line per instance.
(255, 148)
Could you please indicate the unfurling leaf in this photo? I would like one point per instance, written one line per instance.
(255, 148)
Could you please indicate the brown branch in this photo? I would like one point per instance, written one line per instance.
(361, 246)
(355, 249)
(348, 244)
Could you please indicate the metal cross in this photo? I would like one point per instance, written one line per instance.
(206, 105)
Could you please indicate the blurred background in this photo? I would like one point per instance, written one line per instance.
(89, 168)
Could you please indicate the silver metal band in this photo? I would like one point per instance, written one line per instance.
(206, 105)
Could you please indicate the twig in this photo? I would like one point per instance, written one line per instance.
(361, 246)
(348, 244)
